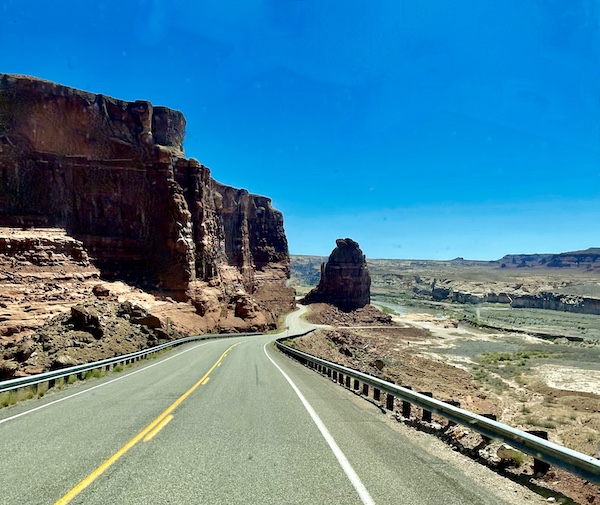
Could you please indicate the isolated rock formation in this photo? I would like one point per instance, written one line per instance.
(345, 281)
(114, 176)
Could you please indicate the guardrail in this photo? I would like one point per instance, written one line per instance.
(106, 364)
(575, 462)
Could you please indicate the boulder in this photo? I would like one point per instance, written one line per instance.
(62, 361)
(8, 369)
(149, 320)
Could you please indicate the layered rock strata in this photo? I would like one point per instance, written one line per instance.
(114, 176)
(531, 295)
(345, 281)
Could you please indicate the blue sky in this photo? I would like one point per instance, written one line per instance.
(421, 129)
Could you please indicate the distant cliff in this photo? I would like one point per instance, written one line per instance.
(588, 259)
(113, 174)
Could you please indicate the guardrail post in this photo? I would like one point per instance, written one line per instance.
(334, 374)
(341, 378)
(348, 381)
(539, 467)
(454, 403)
(406, 407)
(426, 413)
(356, 385)
(493, 417)
(365, 390)
(376, 394)
(389, 402)
(51, 383)
(329, 372)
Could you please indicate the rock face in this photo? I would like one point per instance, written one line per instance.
(345, 280)
(558, 301)
(114, 176)
(588, 259)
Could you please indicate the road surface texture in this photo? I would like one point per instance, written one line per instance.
(228, 421)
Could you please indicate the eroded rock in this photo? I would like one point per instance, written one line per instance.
(113, 175)
(345, 281)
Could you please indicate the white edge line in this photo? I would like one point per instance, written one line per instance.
(2, 421)
(340, 456)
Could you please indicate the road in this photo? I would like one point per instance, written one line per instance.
(220, 422)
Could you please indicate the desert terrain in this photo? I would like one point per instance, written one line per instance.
(534, 369)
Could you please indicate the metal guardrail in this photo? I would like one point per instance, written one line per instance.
(575, 462)
(32, 380)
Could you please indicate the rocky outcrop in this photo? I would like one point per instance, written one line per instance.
(558, 301)
(588, 259)
(114, 176)
(345, 281)
(531, 294)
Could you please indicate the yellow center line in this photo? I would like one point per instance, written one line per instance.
(205, 381)
(154, 425)
(160, 426)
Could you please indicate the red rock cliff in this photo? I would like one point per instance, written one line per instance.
(114, 175)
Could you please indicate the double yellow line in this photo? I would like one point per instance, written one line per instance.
(146, 434)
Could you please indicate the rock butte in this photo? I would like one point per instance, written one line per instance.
(114, 176)
(345, 281)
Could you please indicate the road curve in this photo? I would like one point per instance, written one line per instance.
(222, 422)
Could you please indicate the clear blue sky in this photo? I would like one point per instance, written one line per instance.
(420, 128)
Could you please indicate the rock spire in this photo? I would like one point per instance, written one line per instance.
(345, 280)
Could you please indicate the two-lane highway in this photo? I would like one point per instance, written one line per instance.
(226, 421)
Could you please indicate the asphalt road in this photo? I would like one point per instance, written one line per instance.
(222, 422)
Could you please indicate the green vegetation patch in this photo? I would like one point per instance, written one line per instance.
(493, 358)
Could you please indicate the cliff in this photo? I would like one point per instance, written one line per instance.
(588, 259)
(558, 301)
(345, 281)
(113, 175)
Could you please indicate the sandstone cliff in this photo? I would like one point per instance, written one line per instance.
(588, 259)
(114, 176)
(345, 281)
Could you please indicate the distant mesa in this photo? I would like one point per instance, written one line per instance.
(345, 281)
(588, 259)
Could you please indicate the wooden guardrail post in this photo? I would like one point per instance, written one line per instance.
(539, 467)
(389, 402)
(376, 394)
(454, 403)
(493, 417)
(406, 407)
(356, 384)
(348, 381)
(426, 413)
(365, 390)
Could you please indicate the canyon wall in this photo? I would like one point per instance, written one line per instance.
(531, 295)
(113, 174)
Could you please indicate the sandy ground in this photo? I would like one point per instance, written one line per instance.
(562, 400)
